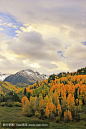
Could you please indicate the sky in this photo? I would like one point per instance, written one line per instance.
(48, 36)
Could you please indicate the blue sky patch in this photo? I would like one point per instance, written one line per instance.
(60, 52)
(84, 43)
(62, 55)
(9, 24)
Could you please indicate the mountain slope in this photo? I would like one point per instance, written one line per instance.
(14, 79)
(26, 76)
(6, 87)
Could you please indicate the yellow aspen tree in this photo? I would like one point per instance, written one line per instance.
(47, 112)
(32, 103)
(69, 115)
(26, 104)
(41, 104)
(65, 116)
(59, 109)
(70, 101)
(50, 107)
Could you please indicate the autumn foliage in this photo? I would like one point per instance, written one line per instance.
(61, 97)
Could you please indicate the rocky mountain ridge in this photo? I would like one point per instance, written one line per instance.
(27, 76)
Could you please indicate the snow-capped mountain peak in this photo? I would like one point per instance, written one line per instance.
(29, 72)
(26, 76)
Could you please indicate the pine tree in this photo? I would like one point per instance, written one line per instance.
(25, 91)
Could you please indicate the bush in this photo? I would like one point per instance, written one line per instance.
(9, 100)
(3, 104)
(7, 97)
(28, 112)
(38, 114)
(1, 98)
(9, 104)
(57, 119)
(17, 104)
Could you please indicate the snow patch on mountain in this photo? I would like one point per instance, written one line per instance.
(29, 72)
(27, 76)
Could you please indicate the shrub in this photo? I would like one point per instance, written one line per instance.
(9, 100)
(38, 114)
(9, 104)
(1, 98)
(3, 104)
(57, 119)
(7, 97)
(28, 112)
(17, 104)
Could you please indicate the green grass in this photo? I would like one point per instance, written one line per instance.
(82, 116)
(11, 114)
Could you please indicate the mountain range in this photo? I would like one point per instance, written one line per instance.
(27, 76)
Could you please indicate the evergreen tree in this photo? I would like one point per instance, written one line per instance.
(25, 91)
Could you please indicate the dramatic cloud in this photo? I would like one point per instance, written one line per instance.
(48, 36)
(32, 46)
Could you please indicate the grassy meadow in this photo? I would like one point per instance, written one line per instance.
(15, 114)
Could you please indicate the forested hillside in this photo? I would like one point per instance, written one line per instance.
(9, 92)
(60, 97)
(6, 87)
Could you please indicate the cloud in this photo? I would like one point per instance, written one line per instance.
(32, 51)
(40, 30)
(10, 24)
(1, 29)
(35, 65)
(48, 65)
(76, 56)
(48, 12)
(32, 37)
(26, 29)
(44, 54)
(61, 65)
(32, 46)
(68, 16)
(2, 36)
(76, 51)
(17, 31)
(9, 66)
(2, 57)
